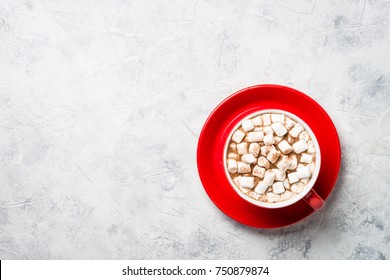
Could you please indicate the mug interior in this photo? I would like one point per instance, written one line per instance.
(308, 186)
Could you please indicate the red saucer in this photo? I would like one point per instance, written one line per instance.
(223, 119)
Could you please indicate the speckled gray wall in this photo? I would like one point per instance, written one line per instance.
(102, 102)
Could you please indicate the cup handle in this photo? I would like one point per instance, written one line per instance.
(314, 200)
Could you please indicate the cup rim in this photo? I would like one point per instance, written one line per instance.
(308, 186)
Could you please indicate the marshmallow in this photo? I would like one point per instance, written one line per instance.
(285, 147)
(232, 166)
(277, 118)
(271, 197)
(293, 162)
(243, 167)
(305, 158)
(278, 139)
(257, 121)
(290, 139)
(266, 119)
(273, 155)
(247, 182)
(238, 136)
(253, 195)
(300, 146)
(279, 174)
(304, 181)
(236, 181)
(255, 136)
(258, 128)
(233, 147)
(289, 123)
(311, 150)
(254, 149)
(263, 162)
(261, 188)
(244, 190)
(269, 139)
(283, 164)
(292, 177)
(242, 148)
(286, 184)
(297, 188)
(265, 150)
(279, 129)
(294, 132)
(268, 130)
(248, 158)
(304, 136)
(233, 156)
(300, 165)
(303, 172)
(247, 125)
(269, 178)
(258, 171)
(286, 195)
(278, 188)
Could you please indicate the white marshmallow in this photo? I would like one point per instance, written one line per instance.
(279, 174)
(290, 140)
(303, 172)
(293, 177)
(257, 121)
(238, 136)
(254, 149)
(300, 146)
(311, 150)
(304, 181)
(253, 195)
(278, 188)
(244, 190)
(266, 119)
(293, 162)
(306, 158)
(261, 188)
(258, 171)
(269, 139)
(265, 150)
(242, 148)
(279, 129)
(297, 188)
(247, 125)
(277, 118)
(283, 164)
(232, 166)
(255, 136)
(263, 162)
(247, 182)
(294, 132)
(273, 155)
(278, 139)
(243, 167)
(248, 158)
(233, 156)
(285, 147)
(286, 184)
(269, 178)
(258, 128)
(286, 195)
(300, 165)
(304, 136)
(271, 197)
(289, 123)
(268, 130)
(233, 147)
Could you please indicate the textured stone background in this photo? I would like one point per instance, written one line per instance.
(102, 102)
